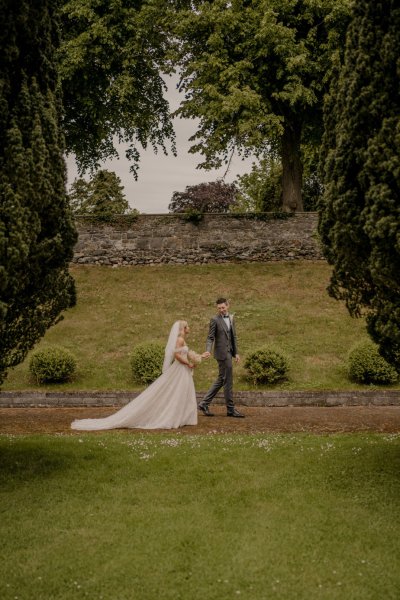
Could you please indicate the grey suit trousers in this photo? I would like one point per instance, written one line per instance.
(225, 380)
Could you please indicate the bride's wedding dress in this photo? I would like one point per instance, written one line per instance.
(169, 402)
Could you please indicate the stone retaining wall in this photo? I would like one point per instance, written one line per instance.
(267, 398)
(170, 238)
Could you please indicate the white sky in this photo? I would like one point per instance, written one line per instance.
(159, 175)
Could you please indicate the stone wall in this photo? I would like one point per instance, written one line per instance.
(170, 238)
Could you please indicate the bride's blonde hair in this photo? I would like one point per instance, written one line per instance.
(182, 325)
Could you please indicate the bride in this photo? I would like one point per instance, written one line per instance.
(169, 402)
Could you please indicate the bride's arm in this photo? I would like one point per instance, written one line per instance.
(196, 358)
(179, 357)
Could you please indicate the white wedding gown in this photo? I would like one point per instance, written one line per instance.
(169, 402)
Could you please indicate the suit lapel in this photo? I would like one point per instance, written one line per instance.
(232, 325)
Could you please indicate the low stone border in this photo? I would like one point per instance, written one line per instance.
(250, 398)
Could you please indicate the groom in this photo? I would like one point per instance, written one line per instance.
(222, 336)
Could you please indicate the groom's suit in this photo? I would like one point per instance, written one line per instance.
(222, 336)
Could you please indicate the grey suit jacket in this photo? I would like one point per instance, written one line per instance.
(220, 337)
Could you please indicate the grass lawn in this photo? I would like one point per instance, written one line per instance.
(285, 304)
(120, 516)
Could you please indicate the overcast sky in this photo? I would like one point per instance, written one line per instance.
(159, 175)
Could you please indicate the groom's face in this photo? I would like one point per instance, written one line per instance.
(223, 308)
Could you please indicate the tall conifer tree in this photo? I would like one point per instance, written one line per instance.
(36, 229)
(102, 197)
(360, 214)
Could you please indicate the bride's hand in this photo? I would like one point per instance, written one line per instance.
(205, 355)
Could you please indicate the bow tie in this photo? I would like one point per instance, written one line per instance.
(225, 316)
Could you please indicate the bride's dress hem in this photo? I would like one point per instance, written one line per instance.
(168, 403)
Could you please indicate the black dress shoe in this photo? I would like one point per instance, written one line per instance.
(235, 413)
(205, 410)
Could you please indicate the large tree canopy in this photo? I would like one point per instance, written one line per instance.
(36, 229)
(360, 214)
(111, 60)
(254, 72)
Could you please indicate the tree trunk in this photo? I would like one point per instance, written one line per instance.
(292, 168)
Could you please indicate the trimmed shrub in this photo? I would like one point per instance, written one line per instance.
(266, 365)
(147, 361)
(366, 365)
(52, 365)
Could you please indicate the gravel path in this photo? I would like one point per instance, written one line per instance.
(283, 419)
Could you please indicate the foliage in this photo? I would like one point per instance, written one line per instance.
(359, 223)
(146, 362)
(193, 216)
(37, 234)
(110, 63)
(212, 197)
(366, 365)
(53, 364)
(312, 191)
(101, 197)
(255, 73)
(312, 181)
(261, 189)
(266, 365)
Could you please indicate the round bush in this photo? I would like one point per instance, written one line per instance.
(366, 365)
(266, 365)
(146, 362)
(52, 365)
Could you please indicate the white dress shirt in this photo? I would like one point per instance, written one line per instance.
(227, 321)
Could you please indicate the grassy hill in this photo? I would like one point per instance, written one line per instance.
(285, 304)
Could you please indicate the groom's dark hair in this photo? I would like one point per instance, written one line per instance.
(222, 301)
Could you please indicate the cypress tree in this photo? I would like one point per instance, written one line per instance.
(37, 233)
(360, 212)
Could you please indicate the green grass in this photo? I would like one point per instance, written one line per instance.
(285, 304)
(122, 516)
